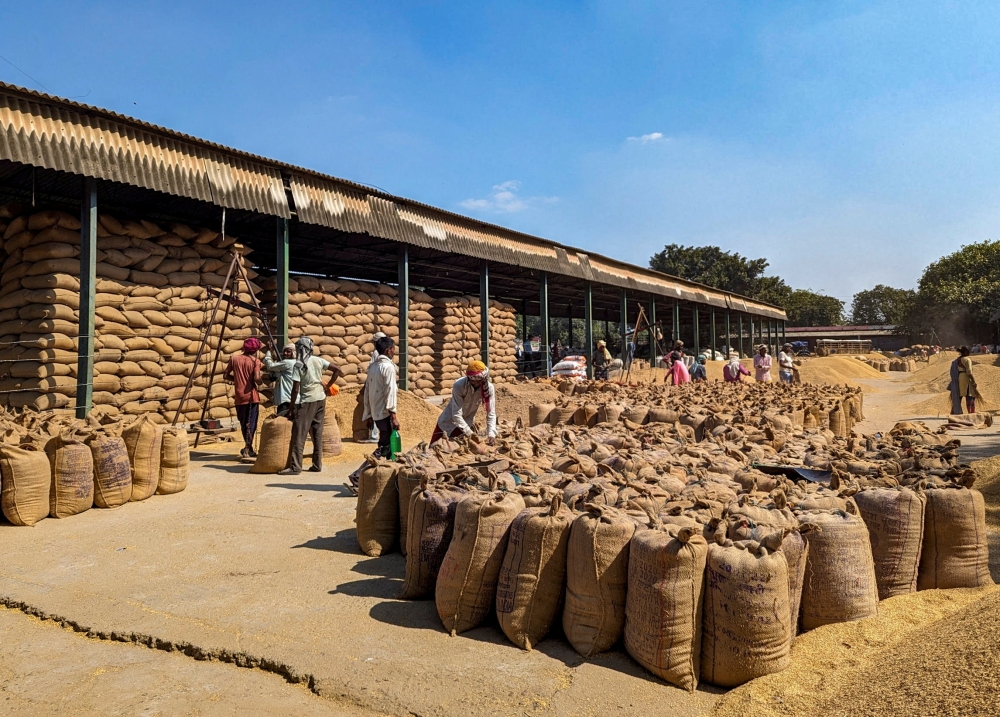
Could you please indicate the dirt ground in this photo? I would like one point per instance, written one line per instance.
(159, 607)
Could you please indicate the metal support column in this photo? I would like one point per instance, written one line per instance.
(88, 286)
(742, 355)
(729, 337)
(784, 336)
(569, 319)
(697, 338)
(711, 334)
(543, 310)
(403, 350)
(524, 321)
(623, 328)
(282, 283)
(652, 331)
(484, 313)
(588, 329)
(676, 329)
(770, 342)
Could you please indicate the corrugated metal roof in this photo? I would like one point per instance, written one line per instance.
(45, 131)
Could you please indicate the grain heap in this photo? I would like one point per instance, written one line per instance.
(675, 473)
(54, 466)
(457, 339)
(152, 304)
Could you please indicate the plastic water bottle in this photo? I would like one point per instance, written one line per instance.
(395, 444)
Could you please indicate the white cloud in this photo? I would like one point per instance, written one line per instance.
(505, 199)
(647, 138)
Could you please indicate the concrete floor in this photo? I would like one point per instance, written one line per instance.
(163, 604)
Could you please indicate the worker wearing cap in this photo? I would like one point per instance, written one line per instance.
(244, 371)
(467, 395)
(282, 372)
(786, 364)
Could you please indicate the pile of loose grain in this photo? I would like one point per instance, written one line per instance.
(935, 377)
(417, 418)
(514, 399)
(837, 370)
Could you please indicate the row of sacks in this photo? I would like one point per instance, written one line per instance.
(458, 339)
(276, 441)
(55, 467)
(904, 365)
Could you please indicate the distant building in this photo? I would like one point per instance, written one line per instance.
(883, 337)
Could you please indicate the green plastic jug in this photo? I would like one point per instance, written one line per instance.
(395, 444)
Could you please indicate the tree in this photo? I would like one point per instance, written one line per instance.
(882, 305)
(807, 308)
(724, 270)
(958, 294)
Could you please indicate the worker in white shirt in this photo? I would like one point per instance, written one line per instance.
(373, 432)
(379, 402)
(786, 363)
(467, 395)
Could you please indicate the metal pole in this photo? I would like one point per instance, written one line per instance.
(588, 329)
(741, 336)
(282, 282)
(544, 315)
(623, 327)
(403, 352)
(484, 313)
(697, 332)
(88, 285)
(711, 333)
(569, 318)
(729, 337)
(770, 343)
(652, 331)
(676, 329)
(524, 321)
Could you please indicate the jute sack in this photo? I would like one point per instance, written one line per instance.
(746, 622)
(112, 471)
(378, 507)
(175, 461)
(840, 583)
(561, 415)
(796, 551)
(410, 477)
(467, 582)
(530, 584)
(538, 413)
(597, 559)
(72, 464)
(27, 481)
(332, 445)
(275, 442)
(955, 552)
(431, 522)
(663, 623)
(895, 520)
(143, 440)
(609, 413)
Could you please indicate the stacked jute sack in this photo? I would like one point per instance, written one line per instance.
(52, 466)
(340, 316)
(276, 440)
(151, 307)
(458, 337)
(704, 567)
(704, 407)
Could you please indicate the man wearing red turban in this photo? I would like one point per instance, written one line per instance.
(244, 371)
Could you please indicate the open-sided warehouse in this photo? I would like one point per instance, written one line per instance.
(130, 182)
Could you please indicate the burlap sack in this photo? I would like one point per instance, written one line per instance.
(332, 445)
(895, 520)
(72, 464)
(467, 582)
(538, 413)
(431, 523)
(840, 583)
(597, 559)
(955, 551)
(417, 466)
(663, 624)
(275, 442)
(378, 507)
(143, 440)
(796, 551)
(27, 481)
(561, 415)
(175, 461)
(530, 584)
(746, 621)
(112, 471)
(609, 413)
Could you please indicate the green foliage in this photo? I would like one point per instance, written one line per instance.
(807, 308)
(883, 305)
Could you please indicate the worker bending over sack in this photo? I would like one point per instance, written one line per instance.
(467, 395)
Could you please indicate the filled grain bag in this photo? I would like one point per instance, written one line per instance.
(72, 465)
(467, 582)
(378, 507)
(840, 583)
(663, 623)
(332, 445)
(112, 470)
(418, 465)
(746, 630)
(275, 441)
(26, 478)
(143, 440)
(431, 522)
(955, 550)
(533, 573)
(175, 461)
(895, 520)
(796, 551)
(597, 559)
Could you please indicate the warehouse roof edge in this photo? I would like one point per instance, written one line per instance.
(41, 130)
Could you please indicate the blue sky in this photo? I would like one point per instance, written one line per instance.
(849, 143)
